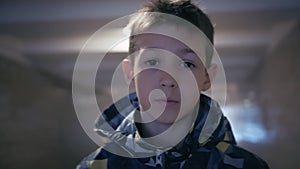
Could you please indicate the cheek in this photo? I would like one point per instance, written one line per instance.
(189, 94)
(190, 88)
(144, 80)
(143, 87)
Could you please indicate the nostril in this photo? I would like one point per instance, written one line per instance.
(167, 81)
(168, 85)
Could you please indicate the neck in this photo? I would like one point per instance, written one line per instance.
(167, 134)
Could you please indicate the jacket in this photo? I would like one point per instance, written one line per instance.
(209, 145)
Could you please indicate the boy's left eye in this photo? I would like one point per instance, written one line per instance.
(187, 65)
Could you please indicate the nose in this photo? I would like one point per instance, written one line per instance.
(167, 80)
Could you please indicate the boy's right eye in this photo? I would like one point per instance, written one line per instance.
(151, 62)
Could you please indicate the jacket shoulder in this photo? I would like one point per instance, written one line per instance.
(96, 158)
(250, 159)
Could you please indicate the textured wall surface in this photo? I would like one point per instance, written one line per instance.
(39, 128)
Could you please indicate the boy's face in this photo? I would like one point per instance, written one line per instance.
(168, 77)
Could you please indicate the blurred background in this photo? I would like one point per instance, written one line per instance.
(258, 43)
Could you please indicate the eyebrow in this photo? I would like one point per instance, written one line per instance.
(190, 51)
(182, 51)
(187, 50)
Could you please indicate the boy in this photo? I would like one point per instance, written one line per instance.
(168, 123)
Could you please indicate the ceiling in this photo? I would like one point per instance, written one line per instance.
(49, 35)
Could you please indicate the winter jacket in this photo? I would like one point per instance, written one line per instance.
(209, 145)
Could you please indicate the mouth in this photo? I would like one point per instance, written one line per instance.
(168, 101)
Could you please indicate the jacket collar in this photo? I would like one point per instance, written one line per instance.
(117, 129)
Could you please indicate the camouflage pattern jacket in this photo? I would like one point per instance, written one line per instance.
(209, 145)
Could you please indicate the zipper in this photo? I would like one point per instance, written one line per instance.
(160, 160)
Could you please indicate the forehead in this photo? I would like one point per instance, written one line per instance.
(175, 46)
(159, 41)
(172, 37)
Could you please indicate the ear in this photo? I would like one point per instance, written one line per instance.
(127, 67)
(210, 75)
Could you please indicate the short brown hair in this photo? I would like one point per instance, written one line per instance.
(184, 9)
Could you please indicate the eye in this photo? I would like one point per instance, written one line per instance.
(151, 62)
(187, 64)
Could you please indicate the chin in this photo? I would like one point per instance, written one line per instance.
(167, 120)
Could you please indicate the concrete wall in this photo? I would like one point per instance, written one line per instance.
(279, 98)
(39, 128)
